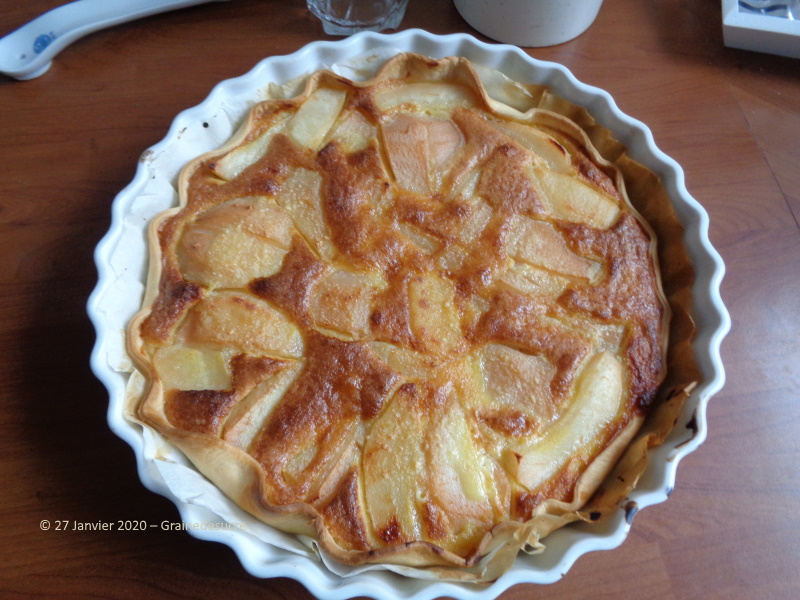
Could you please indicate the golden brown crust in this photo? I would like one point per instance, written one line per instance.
(418, 320)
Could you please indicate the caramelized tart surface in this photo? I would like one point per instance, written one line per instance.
(403, 320)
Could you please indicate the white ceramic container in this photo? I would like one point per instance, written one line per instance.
(532, 23)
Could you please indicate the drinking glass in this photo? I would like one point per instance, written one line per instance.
(345, 17)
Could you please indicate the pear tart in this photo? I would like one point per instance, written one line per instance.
(408, 318)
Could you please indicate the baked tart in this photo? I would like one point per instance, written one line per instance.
(421, 319)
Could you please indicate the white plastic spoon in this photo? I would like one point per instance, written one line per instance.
(28, 52)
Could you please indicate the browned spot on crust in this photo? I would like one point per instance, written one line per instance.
(290, 288)
(391, 534)
(363, 100)
(442, 220)
(343, 515)
(426, 396)
(408, 388)
(435, 520)
(248, 371)
(175, 297)
(504, 185)
(281, 157)
(559, 487)
(486, 258)
(644, 365)
(594, 175)
(200, 411)
(351, 184)
(512, 423)
(525, 504)
(391, 317)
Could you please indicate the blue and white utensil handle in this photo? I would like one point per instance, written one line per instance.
(28, 52)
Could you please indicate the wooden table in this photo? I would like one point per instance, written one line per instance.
(71, 140)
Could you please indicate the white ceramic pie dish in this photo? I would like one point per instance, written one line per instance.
(121, 262)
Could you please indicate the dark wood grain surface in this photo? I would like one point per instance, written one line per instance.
(70, 141)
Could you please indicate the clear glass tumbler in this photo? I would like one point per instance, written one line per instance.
(345, 17)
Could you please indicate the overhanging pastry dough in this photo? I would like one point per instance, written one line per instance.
(417, 318)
